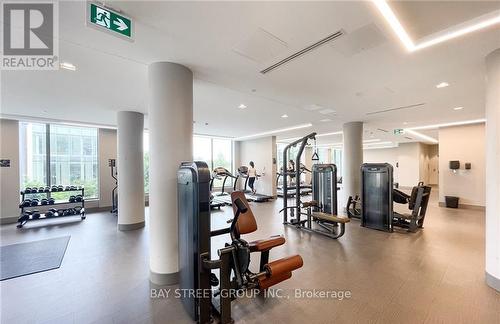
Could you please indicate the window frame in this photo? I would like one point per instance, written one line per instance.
(48, 155)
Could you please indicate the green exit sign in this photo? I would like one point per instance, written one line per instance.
(106, 19)
(399, 131)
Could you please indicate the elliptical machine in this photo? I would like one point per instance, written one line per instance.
(114, 194)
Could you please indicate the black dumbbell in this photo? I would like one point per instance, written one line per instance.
(79, 198)
(68, 188)
(27, 190)
(35, 215)
(60, 188)
(54, 188)
(34, 202)
(41, 189)
(78, 209)
(52, 201)
(72, 199)
(47, 189)
(60, 212)
(44, 201)
(49, 214)
(73, 187)
(23, 218)
(25, 203)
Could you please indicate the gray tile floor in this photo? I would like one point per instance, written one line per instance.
(435, 276)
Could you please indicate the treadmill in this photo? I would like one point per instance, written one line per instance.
(243, 173)
(304, 188)
(222, 197)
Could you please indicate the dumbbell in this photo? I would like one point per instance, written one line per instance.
(44, 201)
(60, 188)
(35, 214)
(49, 213)
(41, 189)
(34, 202)
(23, 218)
(72, 199)
(79, 198)
(68, 188)
(73, 187)
(60, 212)
(51, 201)
(27, 190)
(47, 189)
(54, 188)
(78, 209)
(25, 203)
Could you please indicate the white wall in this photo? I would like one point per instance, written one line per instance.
(465, 144)
(107, 150)
(406, 160)
(262, 152)
(9, 177)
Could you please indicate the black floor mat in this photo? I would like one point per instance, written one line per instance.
(26, 258)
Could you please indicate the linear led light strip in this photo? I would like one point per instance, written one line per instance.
(450, 33)
(276, 131)
(458, 123)
(422, 136)
(317, 135)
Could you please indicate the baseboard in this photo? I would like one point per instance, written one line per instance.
(8, 220)
(97, 209)
(493, 282)
(465, 206)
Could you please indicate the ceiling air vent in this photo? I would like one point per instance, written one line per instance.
(383, 130)
(393, 109)
(303, 51)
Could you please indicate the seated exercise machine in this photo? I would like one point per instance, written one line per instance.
(243, 173)
(221, 198)
(207, 298)
(378, 196)
(321, 212)
(114, 194)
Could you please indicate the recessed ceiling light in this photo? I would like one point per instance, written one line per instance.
(372, 140)
(442, 85)
(67, 66)
(478, 23)
(284, 116)
(458, 108)
(325, 120)
(242, 106)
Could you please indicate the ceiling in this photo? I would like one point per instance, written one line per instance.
(226, 44)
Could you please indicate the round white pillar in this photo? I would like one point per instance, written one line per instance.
(171, 142)
(130, 170)
(352, 158)
(492, 169)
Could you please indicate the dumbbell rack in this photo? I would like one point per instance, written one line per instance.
(60, 202)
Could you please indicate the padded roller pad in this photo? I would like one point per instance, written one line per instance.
(330, 218)
(266, 244)
(284, 265)
(267, 282)
(312, 203)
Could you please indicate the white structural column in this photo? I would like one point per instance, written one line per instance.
(130, 170)
(352, 158)
(170, 142)
(493, 169)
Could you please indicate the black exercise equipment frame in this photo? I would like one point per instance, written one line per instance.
(114, 194)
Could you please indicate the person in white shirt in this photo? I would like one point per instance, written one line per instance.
(252, 175)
